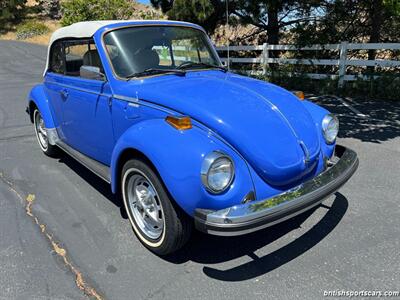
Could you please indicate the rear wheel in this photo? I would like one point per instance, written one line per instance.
(41, 134)
(158, 223)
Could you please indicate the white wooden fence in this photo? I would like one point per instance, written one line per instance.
(342, 62)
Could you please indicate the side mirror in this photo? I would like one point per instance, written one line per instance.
(91, 72)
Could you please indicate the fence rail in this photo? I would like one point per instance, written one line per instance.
(342, 62)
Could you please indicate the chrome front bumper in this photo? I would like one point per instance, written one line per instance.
(255, 215)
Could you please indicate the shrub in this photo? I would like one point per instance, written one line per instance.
(386, 86)
(148, 15)
(11, 11)
(50, 8)
(286, 77)
(85, 10)
(30, 29)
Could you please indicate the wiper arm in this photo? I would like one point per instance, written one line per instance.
(152, 71)
(190, 64)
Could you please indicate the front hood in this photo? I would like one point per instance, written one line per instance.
(268, 125)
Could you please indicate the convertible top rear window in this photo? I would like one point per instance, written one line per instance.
(57, 62)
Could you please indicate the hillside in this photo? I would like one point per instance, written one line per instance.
(140, 12)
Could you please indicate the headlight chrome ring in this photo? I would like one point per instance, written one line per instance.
(330, 128)
(217, 172)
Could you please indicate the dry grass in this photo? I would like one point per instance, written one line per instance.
(31, 3)
(40, 39)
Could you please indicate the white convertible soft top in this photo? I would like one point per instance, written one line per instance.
(86, 29)
(80, 30)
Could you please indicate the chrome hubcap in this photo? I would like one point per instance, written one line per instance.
(41, 130)
(145, 206)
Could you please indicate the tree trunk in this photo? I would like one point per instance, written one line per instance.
(273, 30)
(376, 24)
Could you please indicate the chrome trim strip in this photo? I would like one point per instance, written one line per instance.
(52, 136)
(305, 151)
(250, 230)
(96, 167)
(141, 102)
(126, 98)
(255, 215)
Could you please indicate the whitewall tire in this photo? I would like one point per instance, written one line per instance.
(41, 134)
(155, 218)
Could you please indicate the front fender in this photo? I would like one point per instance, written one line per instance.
(39, 98)
(318, 113)
(178, 156)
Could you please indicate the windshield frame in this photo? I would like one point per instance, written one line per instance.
(103, 44)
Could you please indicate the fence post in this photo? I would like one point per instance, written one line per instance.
(342, 63)
(265, 58)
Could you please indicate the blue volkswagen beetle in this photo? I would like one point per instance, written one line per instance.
(148, 107)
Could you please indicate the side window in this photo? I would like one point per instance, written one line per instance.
(80, 53)
(57, 58)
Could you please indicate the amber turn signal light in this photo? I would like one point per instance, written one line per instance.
(180, 123)
(300, 95)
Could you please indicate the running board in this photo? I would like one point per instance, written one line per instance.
(96, 167)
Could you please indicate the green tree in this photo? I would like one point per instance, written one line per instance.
(50, 8)
(271, 16)
(207, 13)
(362, 21)
(276, 16)
(11, 11)
(371, 21)
(85, 10)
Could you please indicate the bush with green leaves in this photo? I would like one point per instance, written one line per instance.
(30, 29)
(86, 10)
(11, 11)
(385, 86)
(50, 8)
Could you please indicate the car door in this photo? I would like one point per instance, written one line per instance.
(87, 122)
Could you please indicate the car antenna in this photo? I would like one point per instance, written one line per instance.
(227, 36)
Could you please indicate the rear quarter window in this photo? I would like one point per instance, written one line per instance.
(57, 63)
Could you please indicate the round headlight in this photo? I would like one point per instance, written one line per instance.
(330, 128)
(217, 172)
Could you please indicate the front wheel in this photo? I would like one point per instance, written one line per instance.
(158, 223)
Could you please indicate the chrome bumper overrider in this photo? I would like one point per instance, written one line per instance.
(255, 215)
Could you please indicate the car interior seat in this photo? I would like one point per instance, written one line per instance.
(145, 59)
(92, 58)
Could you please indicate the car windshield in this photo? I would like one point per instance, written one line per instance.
(134, 51)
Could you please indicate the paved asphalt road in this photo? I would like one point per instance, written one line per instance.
(85, 243)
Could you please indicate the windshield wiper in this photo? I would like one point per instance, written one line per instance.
(153, 71)
(191, 64)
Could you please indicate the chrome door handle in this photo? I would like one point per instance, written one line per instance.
(64, 94)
